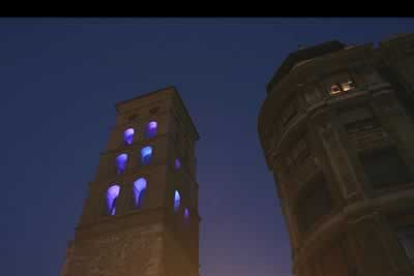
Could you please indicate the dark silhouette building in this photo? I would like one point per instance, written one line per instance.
(337, 130)
(140, 216)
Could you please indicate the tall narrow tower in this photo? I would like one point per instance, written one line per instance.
(337, 130)
(140, 216)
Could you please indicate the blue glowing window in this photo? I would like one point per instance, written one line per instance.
(111, 196)
(121, 161)
(177, 164)
(186, 214)
(146, 155)
(129, 136)
(139, 188)
(151, 129)
(177, 199)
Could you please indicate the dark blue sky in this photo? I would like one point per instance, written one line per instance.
(60, 79)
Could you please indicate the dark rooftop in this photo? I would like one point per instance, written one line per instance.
(302, 55)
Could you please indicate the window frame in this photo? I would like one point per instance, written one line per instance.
(340, 85)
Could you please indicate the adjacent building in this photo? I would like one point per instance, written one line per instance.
(140, 216)
(337, 131)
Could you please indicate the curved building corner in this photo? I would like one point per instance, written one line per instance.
(337, 131)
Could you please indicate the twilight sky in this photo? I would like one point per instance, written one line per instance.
(60, 79)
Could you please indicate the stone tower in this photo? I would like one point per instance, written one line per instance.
(337, 130)
(140, 217)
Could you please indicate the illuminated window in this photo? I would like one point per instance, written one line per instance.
(177, 164)
(139, 188)
(151, 129)
(121, 161)
(177, 199)
(346, 86)
(146, 155)
(342, 87)
(406, 238)
(111, 196)
(129, 136)
(186, 214)
(335, 89)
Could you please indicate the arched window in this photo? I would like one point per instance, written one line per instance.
(151, 130)
(146, 155)
(186, 214)
(129, 136)
(121, 161)
(111, 196)
(177, 164)
(139, 188)
(177, 199)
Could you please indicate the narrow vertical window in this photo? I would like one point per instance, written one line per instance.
(177, 164)
(177, 199)
(186, 214)
(121, 161)
(151, 129)
(111, 197)
(139, 188)
(146, 155)
(129, 136)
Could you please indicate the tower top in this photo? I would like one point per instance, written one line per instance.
(156, 95)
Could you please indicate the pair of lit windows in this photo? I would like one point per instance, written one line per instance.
(151, 131)
(342, 87)
(177, 203)
(139, 187)
(122, 159)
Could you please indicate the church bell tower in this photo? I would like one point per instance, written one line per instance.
(140, 217)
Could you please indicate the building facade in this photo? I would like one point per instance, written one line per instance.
(140, 216)
(337, 130)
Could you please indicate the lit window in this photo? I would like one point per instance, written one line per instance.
(151, 129)
(406, 238)
(146, 154)
(343, 87)
(335, 89)
(129, 136)
(121, 161)
(111, 197)
(177, 164)
(347, 85)
(139, 188)
(177, 199)
(186, 214)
